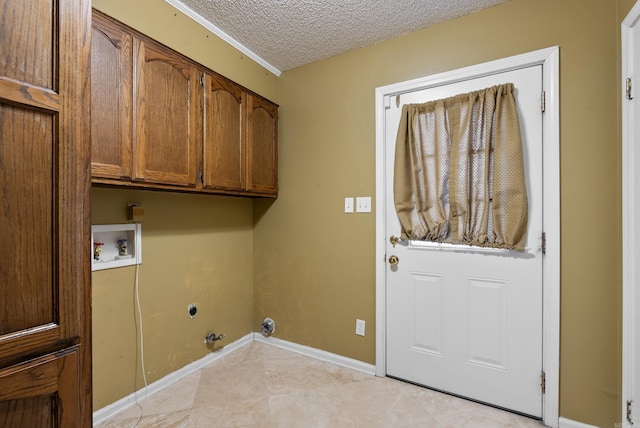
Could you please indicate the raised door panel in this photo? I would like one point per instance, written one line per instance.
(23, 18)
(168, 116)
(43, 182)
(26, 226)
(111, 99)
(425, 317)
(225, 135)
(263, 146)
(44, 193)
(41, 393)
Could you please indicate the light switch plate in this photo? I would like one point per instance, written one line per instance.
(360, 324)
(348, 205)
(363, 204)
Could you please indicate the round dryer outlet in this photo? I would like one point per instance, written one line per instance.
(193, 310)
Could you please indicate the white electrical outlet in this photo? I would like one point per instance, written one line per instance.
(348, 205)
(360, 327)
(363, 204)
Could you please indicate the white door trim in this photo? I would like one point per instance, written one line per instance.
(549, 59)
(630, 248)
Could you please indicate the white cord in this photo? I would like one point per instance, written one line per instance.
(144, 374)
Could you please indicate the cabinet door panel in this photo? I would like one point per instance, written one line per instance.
(225, 136)
(43, 193)
(23, 18)
(111, 90)
(168, 105)
(263, 144)
(28, 412)
(41, 393)
(26, 233)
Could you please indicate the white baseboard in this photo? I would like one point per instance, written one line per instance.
(128, 401)
(318, 354)
(568, 423)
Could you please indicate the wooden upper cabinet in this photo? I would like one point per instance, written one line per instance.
(224, 157)
(262, 133)
(168, 116)
(111, 99)
(162, 121)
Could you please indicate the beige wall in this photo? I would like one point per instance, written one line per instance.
(196, 249)
(314, 265)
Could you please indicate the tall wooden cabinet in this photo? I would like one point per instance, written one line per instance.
(45, 322)
(162, 121)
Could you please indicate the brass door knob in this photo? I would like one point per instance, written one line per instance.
(394, 240)
(393, 260)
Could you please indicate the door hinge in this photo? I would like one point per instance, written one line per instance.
(628, 90)
(543, 243)
(543, 101)
(543, 382)
(629, 405)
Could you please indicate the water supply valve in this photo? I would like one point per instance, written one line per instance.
(211, 337)
(268, 326)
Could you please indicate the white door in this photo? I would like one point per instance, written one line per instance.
(630, 219)
(468, 320)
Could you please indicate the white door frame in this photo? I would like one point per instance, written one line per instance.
(549, 59)
(630, 247)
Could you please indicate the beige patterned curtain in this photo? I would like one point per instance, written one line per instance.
(459, 171)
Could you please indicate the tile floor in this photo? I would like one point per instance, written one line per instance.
(260, 385)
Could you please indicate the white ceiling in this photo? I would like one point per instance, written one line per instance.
(284, 34)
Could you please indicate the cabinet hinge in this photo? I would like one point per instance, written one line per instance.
(202, 79)
(629, 405)
(543, 101)
(543, 382)
(202, 177)
(628, 88)
(543, 243)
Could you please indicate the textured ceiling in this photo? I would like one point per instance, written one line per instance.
(284, 34)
